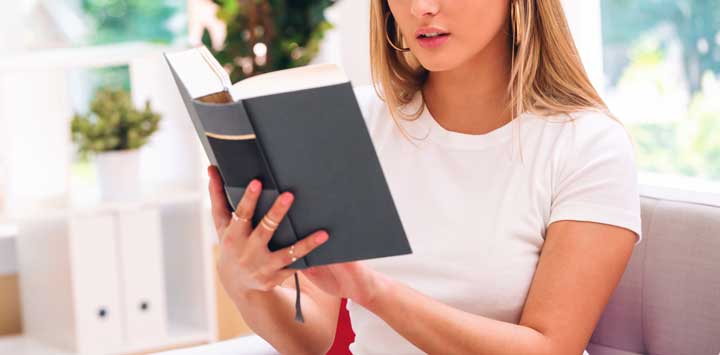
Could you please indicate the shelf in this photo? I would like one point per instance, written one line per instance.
(178, 335)
(8, 231)
(89, 203)
(22, 345)
(82, 57)
(55, 221)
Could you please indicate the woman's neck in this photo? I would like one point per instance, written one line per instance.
(472, 98)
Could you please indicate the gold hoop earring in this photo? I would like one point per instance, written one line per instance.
(514, 14)
(387, 37)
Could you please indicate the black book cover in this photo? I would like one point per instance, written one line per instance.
(314, 143)
(317, 146)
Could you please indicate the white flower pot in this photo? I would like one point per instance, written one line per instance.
(118, 174)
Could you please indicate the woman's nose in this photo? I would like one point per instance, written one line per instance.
(420, 8)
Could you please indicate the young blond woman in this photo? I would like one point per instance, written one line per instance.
(516, 186)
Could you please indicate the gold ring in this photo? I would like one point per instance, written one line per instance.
(271, 222)
(268, 223)
(238, 218)
(292, 252)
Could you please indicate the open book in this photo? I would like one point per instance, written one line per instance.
(298, 130)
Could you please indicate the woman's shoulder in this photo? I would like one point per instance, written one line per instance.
(586, 119)
(584, 128)
(597, 120)
(598, 128)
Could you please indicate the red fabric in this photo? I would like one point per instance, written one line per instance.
(344, 334)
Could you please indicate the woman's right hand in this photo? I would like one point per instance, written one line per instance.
(246, 263)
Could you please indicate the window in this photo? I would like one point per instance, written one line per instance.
(661, 60)
(113, 21)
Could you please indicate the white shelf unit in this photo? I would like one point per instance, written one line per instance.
(115, 278)
(59, 221)
(24, 345)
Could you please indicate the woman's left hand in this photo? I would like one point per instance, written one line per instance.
(352, 280)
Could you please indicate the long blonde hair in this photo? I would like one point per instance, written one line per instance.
(547, 75)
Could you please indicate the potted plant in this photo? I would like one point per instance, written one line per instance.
(114, 131)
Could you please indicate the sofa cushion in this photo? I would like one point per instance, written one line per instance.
(620, 326)
(681, 298)
(668, 301)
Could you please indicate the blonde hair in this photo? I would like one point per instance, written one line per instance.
(547, 75)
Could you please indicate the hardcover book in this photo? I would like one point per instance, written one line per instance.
(298, 130)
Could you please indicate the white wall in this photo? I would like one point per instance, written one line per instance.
(348, 43)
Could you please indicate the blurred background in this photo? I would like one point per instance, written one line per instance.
(72, 70)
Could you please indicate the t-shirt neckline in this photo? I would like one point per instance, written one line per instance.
(426, 124)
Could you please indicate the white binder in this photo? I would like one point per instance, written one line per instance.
(93, 258)
(139, 237)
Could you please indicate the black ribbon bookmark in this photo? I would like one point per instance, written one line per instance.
(298, 310)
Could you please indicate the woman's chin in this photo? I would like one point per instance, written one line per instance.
(435, 62)
(436, 66)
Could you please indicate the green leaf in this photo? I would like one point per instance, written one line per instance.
(116, 123)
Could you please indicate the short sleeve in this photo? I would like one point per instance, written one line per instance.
(596, 178)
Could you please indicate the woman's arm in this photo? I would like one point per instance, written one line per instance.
(580, 265)
(270, 315)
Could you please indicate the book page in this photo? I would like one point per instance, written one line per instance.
(199, 71)
(286, 80)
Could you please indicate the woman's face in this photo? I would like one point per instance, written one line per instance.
(469, 27)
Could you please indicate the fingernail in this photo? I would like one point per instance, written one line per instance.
(254, 186)
(286, 198)
(321, 238)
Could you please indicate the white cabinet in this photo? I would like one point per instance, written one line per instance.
(116, 279)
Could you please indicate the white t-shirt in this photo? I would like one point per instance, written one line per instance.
(476, 216)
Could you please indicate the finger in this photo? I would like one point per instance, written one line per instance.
(220, 212)
(246, 207)
(281, 275)
(280, 258)
(241, 223)
(270, 222)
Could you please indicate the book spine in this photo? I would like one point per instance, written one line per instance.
(285, 235)
(240, 159)
(229, 141)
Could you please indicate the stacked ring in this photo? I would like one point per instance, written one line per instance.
(268, 223)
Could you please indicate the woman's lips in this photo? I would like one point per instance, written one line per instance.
(433, 42)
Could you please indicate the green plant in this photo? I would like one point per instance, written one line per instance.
(289, 33)
(113, 123)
